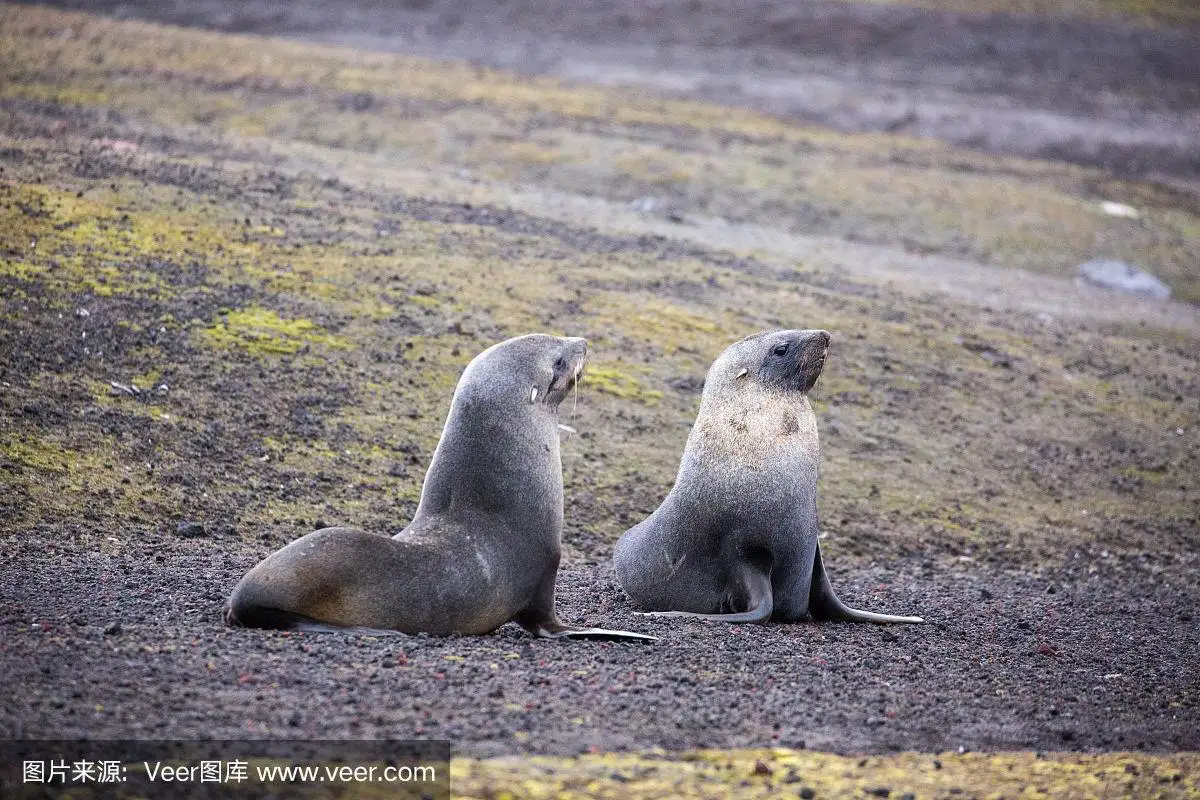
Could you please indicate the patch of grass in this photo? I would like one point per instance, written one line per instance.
(877, 188)
(1148, 11)
(773, 773)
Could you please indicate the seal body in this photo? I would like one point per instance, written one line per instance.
(484, 545)
(736, 538)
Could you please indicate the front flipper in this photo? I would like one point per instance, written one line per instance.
(560, 631)
(541, 620)
(823, 603)
(761, 604)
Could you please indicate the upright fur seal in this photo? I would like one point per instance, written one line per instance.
(736, 538)
(484, 546)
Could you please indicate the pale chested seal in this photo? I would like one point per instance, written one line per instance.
(736, 538)
(484, 546)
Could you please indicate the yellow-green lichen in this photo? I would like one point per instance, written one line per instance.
(260, 331)
(619, 383)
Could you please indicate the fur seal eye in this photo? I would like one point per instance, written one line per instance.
(533, 395)
(781, 350)
(560, 365)
(743, 374)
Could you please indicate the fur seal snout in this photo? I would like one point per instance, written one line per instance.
(484, 545)
(735, 540)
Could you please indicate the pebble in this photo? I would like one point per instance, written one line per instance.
(190, 530)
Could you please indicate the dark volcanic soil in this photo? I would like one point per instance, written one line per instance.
(132, 646)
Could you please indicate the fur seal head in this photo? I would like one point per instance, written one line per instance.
(787, 361)
(537, 369)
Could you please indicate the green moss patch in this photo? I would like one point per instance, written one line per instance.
(260, 331)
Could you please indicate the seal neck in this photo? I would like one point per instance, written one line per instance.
(498, 459)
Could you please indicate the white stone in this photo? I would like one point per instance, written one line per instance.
(1119, 276)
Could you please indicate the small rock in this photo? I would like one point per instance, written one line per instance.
(190, 530)
(880, 791)
(1118, 276)
(808, 793)
(761, 768)
(1119, 210)
(113, 629)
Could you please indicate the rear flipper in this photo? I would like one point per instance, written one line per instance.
(823, 603)
(560, 631)
(761, 604)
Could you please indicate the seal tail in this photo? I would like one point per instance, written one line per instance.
(823, 603)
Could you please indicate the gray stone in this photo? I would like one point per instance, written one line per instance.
(190, 530)
(1119, 276)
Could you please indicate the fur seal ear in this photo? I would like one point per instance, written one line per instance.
(742, 374)
(533, 395)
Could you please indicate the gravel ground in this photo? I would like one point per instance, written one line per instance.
(131, 644)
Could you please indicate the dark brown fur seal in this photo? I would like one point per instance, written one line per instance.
(736, 538)
(484, 546)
